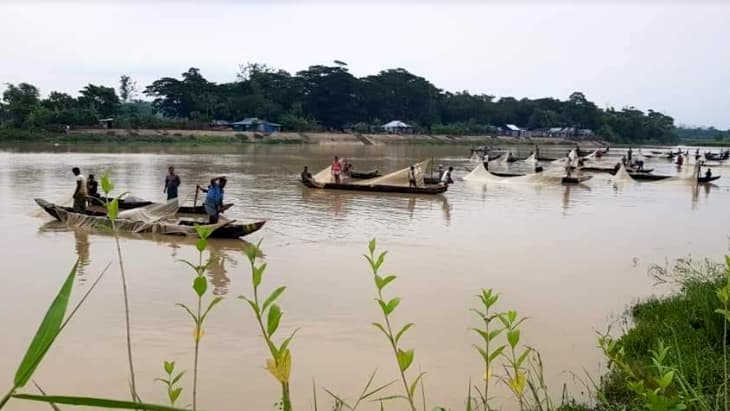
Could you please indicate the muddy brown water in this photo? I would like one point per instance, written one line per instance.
(570, 258)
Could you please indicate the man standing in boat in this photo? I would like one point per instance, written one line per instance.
(214, 198)
(336, 170)
(446, 177)
(80, 192)
(172, 182)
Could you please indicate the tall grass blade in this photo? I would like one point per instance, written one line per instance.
(96, 402)
(47, 331)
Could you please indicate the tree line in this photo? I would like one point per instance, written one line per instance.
(321, 98)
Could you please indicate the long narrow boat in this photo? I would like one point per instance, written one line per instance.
(564, 180)
(611, 170)
(704, 180)
(379, 188)
(176, 227)
(648, 177)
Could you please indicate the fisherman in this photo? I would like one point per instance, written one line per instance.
(214, 198)
(92, 189)
(412, 177)
(306, 175)
(485, 161)
(446, 177)
(538, 168)
(568, 168)
(680, 160)
(80, 192)
(172, 182)
(336, 170)
(629, 154)
(708, 173)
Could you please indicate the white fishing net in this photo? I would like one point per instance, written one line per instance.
(399, 178)
(551, 175)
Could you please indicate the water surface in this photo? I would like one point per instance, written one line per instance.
(570, 258)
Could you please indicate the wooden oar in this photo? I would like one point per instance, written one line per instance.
(195, 199)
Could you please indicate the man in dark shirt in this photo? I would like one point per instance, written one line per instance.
(172, 182)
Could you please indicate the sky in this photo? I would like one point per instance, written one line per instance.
(667, 56)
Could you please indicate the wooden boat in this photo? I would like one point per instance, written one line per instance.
(717, 157)
(361, 175)
(704, 180)
(506, 175)
(648, 177)
(575, 180)
(129, 205)
(429, 189)
(612, 171)
(584, 153)
(178, 227)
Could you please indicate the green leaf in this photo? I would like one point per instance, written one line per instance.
(512, 316)
(513, 337)
(405, 359)
(414, 384)
(496, 353)
(523, 357)
(162, 380)
(177, 378)
(402, 331)
(174, 394)
(185, 307)
(381, 328)
(381, 282)
(47, 332)
(212, 304)
(392, 304)
(371, 247)
(724, 312)
(481, 351)
(252, 303)
(106, 183)
(337, 398)
(381, 259)
(257, 274)
(200, 284)
(96, 402)
(169, 366)
(272, 321)
(285, 344)
(271, 298)
(112, 209)
(203, 232)
(666, 379)
(201, 244)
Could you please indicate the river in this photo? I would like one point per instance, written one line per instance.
(572, 259)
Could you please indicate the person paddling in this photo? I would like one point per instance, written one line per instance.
(214, 198)
(92, 189)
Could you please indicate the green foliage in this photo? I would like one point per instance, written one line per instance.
(47, 332)
(95, 402)
(279, 365)
(403, 357)
(171, 381)
(323, 97)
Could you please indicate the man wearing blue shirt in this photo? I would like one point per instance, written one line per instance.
(214, 198)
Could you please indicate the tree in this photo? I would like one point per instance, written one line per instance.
(19, 103)
(127, 88)
(103, 100)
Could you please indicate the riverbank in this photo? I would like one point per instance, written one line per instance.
(129, 136)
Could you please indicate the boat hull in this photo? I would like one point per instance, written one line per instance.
(377, 188)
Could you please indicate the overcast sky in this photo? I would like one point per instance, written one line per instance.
(668, 57)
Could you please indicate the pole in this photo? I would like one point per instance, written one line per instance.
(195, 199)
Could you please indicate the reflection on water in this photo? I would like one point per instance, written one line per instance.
(569, 257)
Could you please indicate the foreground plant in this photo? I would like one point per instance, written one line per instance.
(723, 294)
(404, 357)
(516, 368)
(489, 334)
(279, 365)
(200, 286)
(112, 210)
(173, 392)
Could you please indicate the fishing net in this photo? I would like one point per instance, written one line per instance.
(400, 177)
(154, 218)
(551, 175)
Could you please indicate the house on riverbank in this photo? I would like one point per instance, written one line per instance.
(254, 124)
